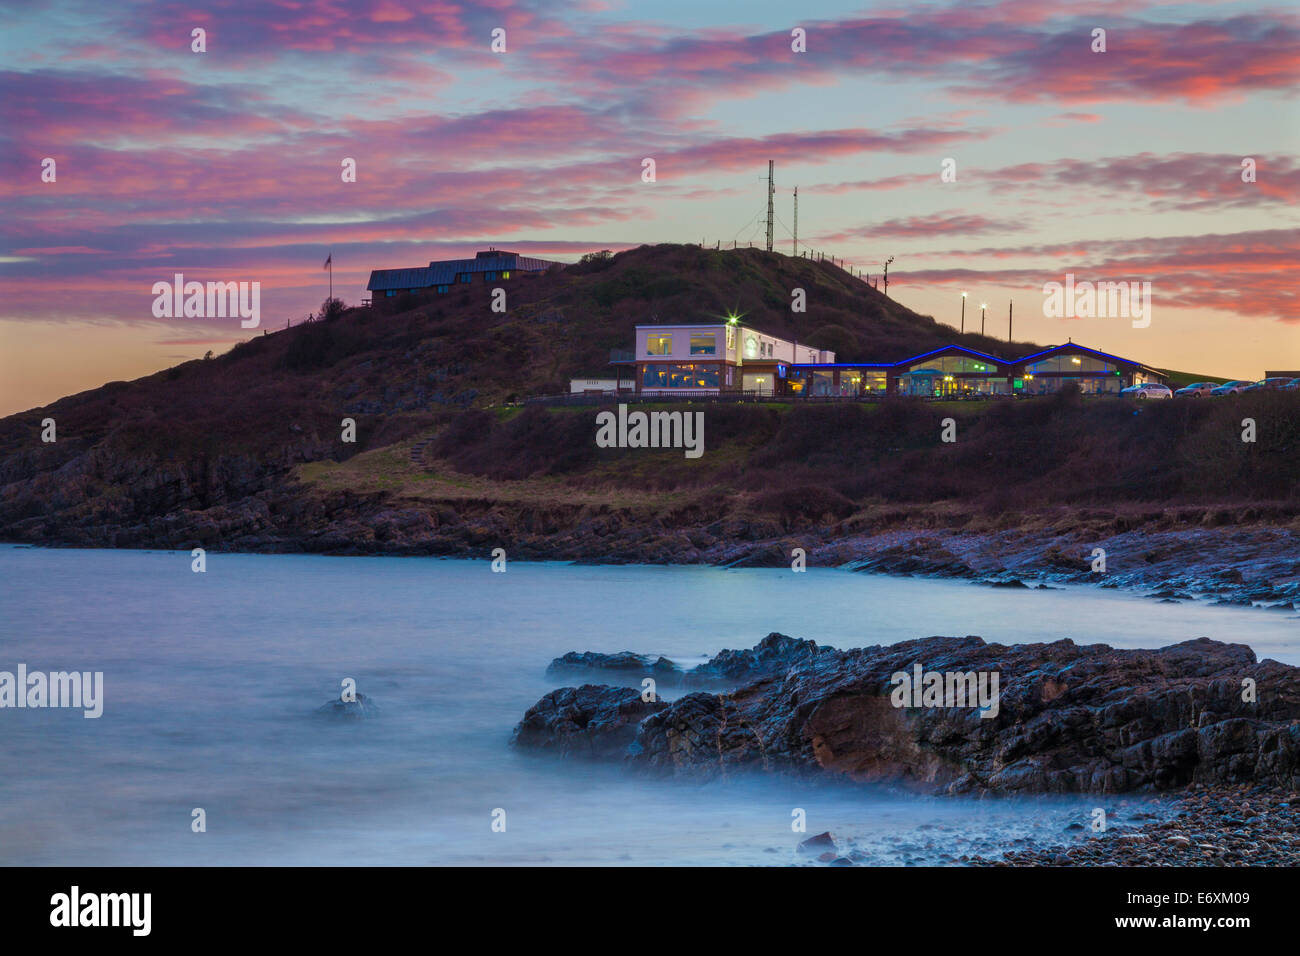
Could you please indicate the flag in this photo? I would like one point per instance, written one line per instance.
(328, 261)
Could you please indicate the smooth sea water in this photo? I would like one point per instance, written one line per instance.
(212, 681)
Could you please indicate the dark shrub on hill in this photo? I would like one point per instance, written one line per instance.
(321, 344)
(535, 442)
(806, 502)
(470, 427)
(1216, 459)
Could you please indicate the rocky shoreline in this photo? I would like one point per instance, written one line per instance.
(1215, 826)
(1064, 718)
(1192, 750)
(1204, 827)
(1242, 567)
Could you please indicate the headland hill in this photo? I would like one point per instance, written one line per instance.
(454, 457)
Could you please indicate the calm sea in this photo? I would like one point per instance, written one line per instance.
(212, 681)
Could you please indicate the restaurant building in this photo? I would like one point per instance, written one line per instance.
(715, 358)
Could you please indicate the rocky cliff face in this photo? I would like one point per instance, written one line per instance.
(1068, 718)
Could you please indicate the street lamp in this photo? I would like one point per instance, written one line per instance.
(963, 313)
(983, 306)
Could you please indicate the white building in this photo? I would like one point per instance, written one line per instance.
(714, 357)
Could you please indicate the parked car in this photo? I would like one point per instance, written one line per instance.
(1196, 389)
(1291, 386)
(1266, 384)
(1230, 388)
(1147, 390)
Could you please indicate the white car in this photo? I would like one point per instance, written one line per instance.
(1230, 388)
(1147, 390)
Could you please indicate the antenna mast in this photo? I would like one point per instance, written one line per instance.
(771, 194)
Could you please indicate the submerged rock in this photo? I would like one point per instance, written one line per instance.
(340, 709)
(1068, 718)
(634, 665)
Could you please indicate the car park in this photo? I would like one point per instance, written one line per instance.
(1147, 390)
(1267, 384)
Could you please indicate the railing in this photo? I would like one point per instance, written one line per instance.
(734, 397)
(686, 395)
(813, 255)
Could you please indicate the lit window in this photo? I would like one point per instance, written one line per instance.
(659, 343)
(704, 344)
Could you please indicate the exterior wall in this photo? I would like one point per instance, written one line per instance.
(735, 344)
(648, 348)
(579, 386)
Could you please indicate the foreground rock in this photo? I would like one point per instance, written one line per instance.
(591, 721)
(1067, 718)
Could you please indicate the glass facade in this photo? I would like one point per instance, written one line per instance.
(1089, 384)
(955, 364)
(1068, 363)
(935, 384)
(853, 382)
(679, 376)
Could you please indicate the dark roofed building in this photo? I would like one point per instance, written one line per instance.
(958, 372)
(492, 265)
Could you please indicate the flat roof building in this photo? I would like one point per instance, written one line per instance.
(709, 358)
(441, 276)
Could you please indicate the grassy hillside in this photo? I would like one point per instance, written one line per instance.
(1176, 379)
(1008, 456)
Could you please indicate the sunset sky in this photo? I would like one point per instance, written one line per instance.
(225, 165)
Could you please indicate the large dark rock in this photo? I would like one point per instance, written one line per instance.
(589, 721)
(773, 655)
(633, 666)
(1069, 718)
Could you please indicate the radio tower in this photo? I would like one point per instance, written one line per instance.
(771, 193)
(796, 221)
